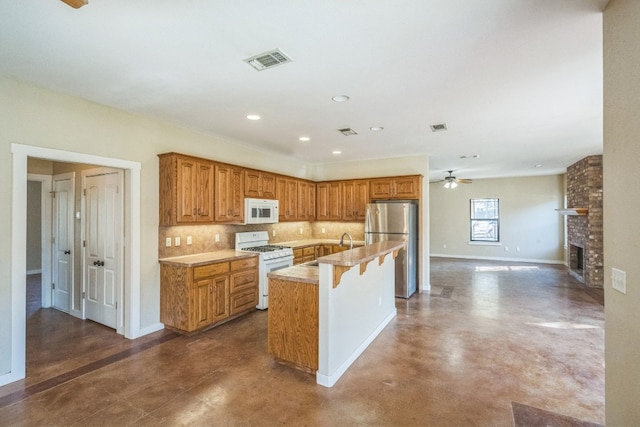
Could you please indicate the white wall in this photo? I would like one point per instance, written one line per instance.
(528, 221)
(621, 207)
(42, 118)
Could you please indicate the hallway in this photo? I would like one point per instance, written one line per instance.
(491, 342)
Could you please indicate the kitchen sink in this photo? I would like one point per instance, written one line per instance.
(310, 264)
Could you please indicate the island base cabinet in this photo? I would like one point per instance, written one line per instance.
(293, 323)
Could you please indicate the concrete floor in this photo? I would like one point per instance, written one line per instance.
(492, 344)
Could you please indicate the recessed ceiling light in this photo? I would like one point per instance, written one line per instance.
(475, 156)
(538, 166)
(304, 138)
(376, 128)
(337, 152)
(253, 117)
(340, 98)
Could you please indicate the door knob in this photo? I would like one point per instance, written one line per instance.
(67, 252)
(96, 263)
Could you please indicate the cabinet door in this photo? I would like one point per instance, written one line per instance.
(268, 185)
(252, 183)
(220, 298)
(243, 290)
(229, 194)
(202, 309)
(287, 194)
(361, 199)
(204, 192)
(381, 189)
(187, 193)
(349, 200)
(407, 187)
(261, 185)
(306, 200)
(329, 201)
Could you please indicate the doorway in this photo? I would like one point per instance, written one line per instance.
(131, 268)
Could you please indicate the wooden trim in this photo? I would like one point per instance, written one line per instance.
(338, 271)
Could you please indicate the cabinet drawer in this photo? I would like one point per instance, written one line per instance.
(243, 301)
(210, 270)
(241, 264)
(244, 280)
(311, 250)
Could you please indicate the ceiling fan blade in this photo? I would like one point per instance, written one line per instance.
(464, 181)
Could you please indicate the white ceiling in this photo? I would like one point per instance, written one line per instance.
(518, 82)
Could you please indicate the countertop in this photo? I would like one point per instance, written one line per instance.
(207, 258)
(349, 258)
(362, 254)
(312, 242)
(297, 273)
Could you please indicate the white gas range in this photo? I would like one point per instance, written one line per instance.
(272, 257)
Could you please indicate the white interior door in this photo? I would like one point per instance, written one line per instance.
(63, 232)
(103, 239)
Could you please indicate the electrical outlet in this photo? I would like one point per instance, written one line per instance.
(506, 248)
(619, 280)
(301, 231)
(167, 242)
(323, 230)
(273, 233)
(189, 240)
(518, 249)
(444, 246)
(217, 237)
(177, 241)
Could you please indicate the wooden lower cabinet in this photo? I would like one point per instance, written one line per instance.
(193, 298)
(292, 332)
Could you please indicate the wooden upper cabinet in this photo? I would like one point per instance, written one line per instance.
(329, 201)
(259, 185)
(306, 200)
(186, 190)
(402, 187)
(229, 194)
(355, 196)
(287, 195)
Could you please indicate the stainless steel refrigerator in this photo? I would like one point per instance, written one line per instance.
(396, 221)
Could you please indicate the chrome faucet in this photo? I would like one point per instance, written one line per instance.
(350, 240)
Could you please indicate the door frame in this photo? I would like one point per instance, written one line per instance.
(131, 267)
(46, 183)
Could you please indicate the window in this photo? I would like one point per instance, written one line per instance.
(485, 220)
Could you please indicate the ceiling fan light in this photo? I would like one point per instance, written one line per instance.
(453, 184)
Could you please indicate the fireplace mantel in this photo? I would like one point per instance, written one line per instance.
(573, 211)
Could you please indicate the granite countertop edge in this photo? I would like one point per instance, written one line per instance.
(204, 258)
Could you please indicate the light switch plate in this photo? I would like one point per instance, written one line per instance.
(619, 280)
(189, 240)
(167, 242)
(177, 241)
(217, 237)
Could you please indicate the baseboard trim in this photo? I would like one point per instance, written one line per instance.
(150, 329)
(538, 261)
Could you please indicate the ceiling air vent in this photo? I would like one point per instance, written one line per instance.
(347, 131)
(268, 60)
(438, 127)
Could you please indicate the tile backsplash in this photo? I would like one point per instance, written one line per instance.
(203, 237)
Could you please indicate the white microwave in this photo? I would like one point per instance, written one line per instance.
(260, 211)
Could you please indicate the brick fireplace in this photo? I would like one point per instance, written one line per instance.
(584, 190)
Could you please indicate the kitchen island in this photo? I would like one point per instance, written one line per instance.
(321, 318)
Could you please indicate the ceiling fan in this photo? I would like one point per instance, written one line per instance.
(451, 181)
